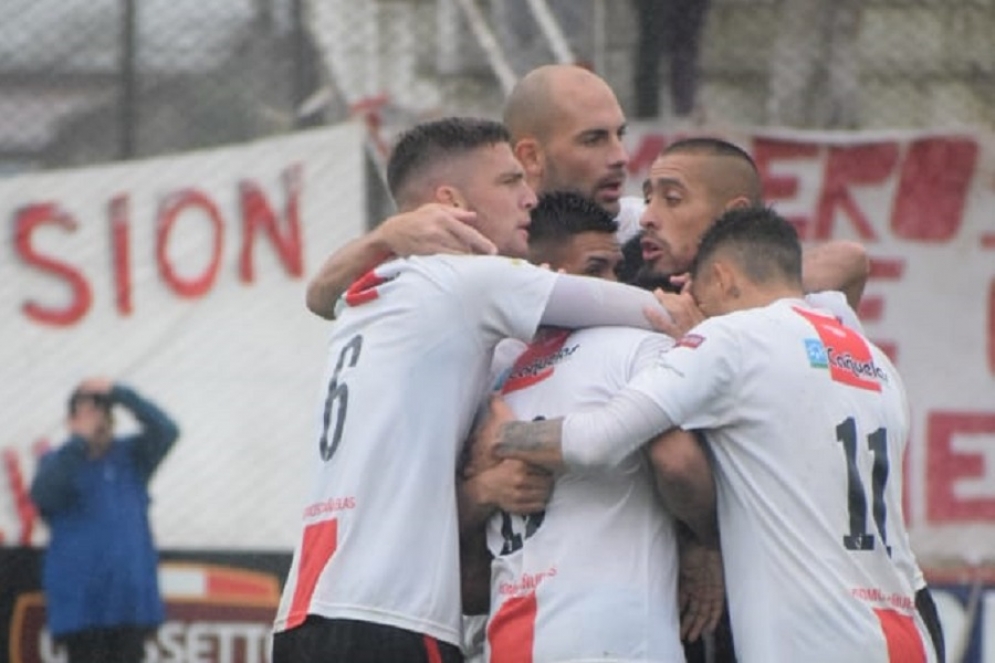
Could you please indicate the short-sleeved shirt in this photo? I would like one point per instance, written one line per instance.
(593, 577)
(408, 364)
(808, 424)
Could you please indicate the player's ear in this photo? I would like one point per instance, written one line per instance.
(450, 195)
(739, 202)
(530, 155)
(724, 275)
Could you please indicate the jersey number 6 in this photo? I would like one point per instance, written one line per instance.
(338, 398)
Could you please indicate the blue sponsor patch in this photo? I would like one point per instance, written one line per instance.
(816, 351)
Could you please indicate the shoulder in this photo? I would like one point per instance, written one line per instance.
(449, 271)
(835, 303)
(463, 264)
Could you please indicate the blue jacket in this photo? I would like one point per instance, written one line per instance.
(100, 568)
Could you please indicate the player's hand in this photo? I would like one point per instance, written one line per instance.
(517, 487)
(683, 310)
(681, 281)
(433, 228)
(480, 447)
(700, 589)
(488, 431)
(99, 386)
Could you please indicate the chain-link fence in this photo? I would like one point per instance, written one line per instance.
(95, 80)
(91, 81)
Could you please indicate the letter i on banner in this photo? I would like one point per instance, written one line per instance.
(121, 243)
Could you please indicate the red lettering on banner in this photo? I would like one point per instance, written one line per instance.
(120, 241)
(871, 307)
(944, 466)
(646, 152)
(991, 327)
(861, 165)
(173, 206)
(27, 220)
(769, 150)
(932, 190)
(258, 215)
(26, 513)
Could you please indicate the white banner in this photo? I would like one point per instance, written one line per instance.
(183, 277)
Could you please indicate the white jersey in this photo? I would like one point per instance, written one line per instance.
(408, 364)
(593, 577)
(808, 424)
(631, 209)
(835, 302)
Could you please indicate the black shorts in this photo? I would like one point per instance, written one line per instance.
(320, 640)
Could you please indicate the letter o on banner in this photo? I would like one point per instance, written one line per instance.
(171, 210)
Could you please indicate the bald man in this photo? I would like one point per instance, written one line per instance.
(567, 129)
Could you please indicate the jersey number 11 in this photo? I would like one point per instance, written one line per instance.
(859, 538)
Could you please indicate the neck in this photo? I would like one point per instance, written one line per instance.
(758, 296)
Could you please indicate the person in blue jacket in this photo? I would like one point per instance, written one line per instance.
(100, 570)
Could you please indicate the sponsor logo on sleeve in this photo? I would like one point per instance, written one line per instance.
(843, 351)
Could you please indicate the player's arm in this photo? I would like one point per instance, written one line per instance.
(690, 386)
(837, 265)
(429, 229)
(581, 301)
(687, 489)
(475, 572)
(685, 482)
(600, 437)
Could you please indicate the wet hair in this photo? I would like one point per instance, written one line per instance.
(103, 401)
(763, 243)
(430, 143)
(560, 215)
(747, 182)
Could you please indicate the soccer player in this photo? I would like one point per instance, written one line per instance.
(807, 422)
(375, 575)
(544, 603)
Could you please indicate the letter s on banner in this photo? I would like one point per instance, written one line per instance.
(27, 220)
